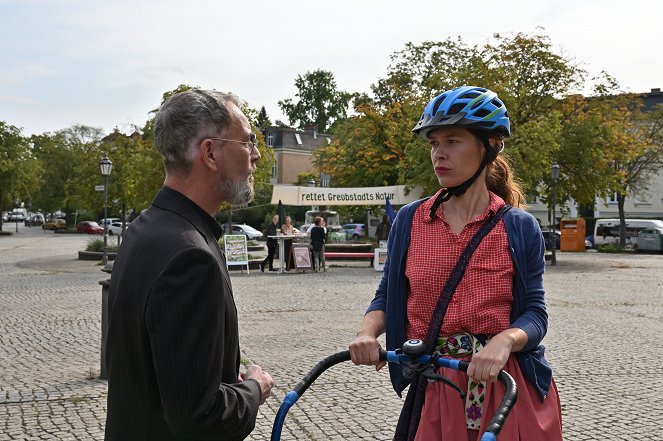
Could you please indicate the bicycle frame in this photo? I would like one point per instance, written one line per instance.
(492, 430)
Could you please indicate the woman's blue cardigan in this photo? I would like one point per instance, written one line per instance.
(528, 311)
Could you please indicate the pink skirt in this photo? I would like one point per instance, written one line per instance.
(443, 415)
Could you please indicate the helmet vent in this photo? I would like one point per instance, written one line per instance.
(456, 108)
(438, 104)
(469, 96)
(481, 113)
(496, 103)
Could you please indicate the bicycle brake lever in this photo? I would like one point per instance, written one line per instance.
(429, 374)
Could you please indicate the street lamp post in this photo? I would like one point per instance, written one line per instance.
(16, 202)
(554, 174)
(106, 166)
(311, 184)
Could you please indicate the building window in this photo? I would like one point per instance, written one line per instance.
(270, 140)
(275, 169)
(612, 199)
(298, 138)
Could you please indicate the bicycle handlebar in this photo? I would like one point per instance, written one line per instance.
(492, 430)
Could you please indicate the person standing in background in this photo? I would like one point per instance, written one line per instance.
(272, 243)
(318, 243)
(383, 229)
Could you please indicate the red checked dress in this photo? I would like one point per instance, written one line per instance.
(481, 305)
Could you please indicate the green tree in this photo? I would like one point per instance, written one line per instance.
(319, 102)
(525, 71)
(262, 121)
(58, 163)
(19, 169)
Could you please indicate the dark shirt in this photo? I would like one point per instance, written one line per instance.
(173, 340)
(271, 231)
(317, 238)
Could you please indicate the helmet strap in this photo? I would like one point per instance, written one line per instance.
(459, 190)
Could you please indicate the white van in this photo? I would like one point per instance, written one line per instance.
(18, 215)
(607, 230)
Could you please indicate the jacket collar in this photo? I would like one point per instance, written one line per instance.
(174, 201)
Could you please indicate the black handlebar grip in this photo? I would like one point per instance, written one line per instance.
(318, 369)
(509, 399)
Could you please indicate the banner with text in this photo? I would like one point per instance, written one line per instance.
(295, 195)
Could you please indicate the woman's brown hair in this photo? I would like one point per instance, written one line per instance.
(500, 179)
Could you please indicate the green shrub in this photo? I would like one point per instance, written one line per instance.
(614, 248)
(97, 244)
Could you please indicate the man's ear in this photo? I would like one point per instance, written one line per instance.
(207, 154)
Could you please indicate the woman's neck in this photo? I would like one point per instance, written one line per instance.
(459, 211)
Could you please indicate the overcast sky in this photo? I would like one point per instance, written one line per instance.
(107, 63)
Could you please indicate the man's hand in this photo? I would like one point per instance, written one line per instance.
(255, 372)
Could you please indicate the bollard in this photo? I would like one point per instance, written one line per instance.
(105, 288)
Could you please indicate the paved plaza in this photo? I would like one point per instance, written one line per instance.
(606, 312)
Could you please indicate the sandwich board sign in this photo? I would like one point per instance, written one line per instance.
(236, 250)
(302, 257)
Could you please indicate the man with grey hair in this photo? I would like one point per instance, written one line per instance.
(173, 351)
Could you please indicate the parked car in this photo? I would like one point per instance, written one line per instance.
(108, 221)
(247, 230)
(354, 231)
(55, 224)
(18, 215)
(115, 228)
(34, 220)
(547, 237)
(89, 227)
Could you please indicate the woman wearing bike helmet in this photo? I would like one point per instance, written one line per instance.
(496, 315)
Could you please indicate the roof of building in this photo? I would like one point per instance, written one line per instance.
(291, 138)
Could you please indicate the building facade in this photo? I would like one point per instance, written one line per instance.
(293, 153)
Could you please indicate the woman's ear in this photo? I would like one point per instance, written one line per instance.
(497, 143)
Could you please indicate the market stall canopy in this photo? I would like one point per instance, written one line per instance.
(296, 195)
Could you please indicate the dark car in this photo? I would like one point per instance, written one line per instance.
(89, 227)
(547, 236)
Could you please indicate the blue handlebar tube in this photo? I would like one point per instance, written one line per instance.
(492, 430)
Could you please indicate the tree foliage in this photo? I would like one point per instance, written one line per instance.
(319, 102)
(19, 169)
(523, 69)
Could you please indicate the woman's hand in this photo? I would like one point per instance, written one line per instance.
(365, 349)
(489, 361)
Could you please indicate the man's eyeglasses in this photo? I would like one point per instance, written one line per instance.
(248, 145)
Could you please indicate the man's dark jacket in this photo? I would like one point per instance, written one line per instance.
(173, 343)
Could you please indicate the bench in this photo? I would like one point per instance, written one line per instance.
(348, 255)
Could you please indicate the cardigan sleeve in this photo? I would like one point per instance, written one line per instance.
(532, 315)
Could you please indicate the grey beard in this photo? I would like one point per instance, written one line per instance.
(236, 193)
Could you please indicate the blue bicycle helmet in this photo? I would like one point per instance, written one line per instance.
(474, 108)
(470, 107)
